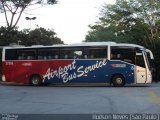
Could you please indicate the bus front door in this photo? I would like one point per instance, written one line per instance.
(141, 73)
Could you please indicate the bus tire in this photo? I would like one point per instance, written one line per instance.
(36, 80)
(118, 80)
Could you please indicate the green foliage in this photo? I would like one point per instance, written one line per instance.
(128, 21)
(39, 36)
(7, 37)
(99, 33)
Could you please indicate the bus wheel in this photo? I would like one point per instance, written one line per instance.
(36, 80)
(118, 81)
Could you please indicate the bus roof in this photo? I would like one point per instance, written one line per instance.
(129, 45)
(77, 44)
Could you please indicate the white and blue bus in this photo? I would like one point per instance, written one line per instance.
(88, 62)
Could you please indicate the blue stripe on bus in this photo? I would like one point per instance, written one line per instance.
(89, 71)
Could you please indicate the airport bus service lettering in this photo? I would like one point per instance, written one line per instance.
(63, 72)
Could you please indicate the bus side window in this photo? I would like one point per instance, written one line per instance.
(119, 56)
(65, 56)
(85, 57)
(123, 53)
(20, 58)
(77, 54)
(56, 57)
(10, 54)
(47, 54)
(30, 58)
(45, 58)
(40, 57)
(113, 56)
(26, 54)
(96, 52)
(116, 56)
(71, 53)
(91, 56)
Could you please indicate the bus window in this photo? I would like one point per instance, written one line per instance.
(26, 54)
(94, 53)
(44, 54)
(10, 54)
(123, 53)
(71, 53)
(140, 60)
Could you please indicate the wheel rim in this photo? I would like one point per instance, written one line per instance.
(35, 81)
(119, 81)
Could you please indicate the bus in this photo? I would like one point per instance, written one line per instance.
(111, 63)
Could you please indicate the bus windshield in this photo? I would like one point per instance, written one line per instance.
(146, 57)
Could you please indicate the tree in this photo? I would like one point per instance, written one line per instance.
(39, 36)
(8, 37)
(15, 8)
(135, 21)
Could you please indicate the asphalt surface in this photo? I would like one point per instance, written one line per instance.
(22, 99)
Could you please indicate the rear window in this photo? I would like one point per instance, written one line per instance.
(10, 54)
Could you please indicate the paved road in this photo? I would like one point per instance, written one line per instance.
(77, 100)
